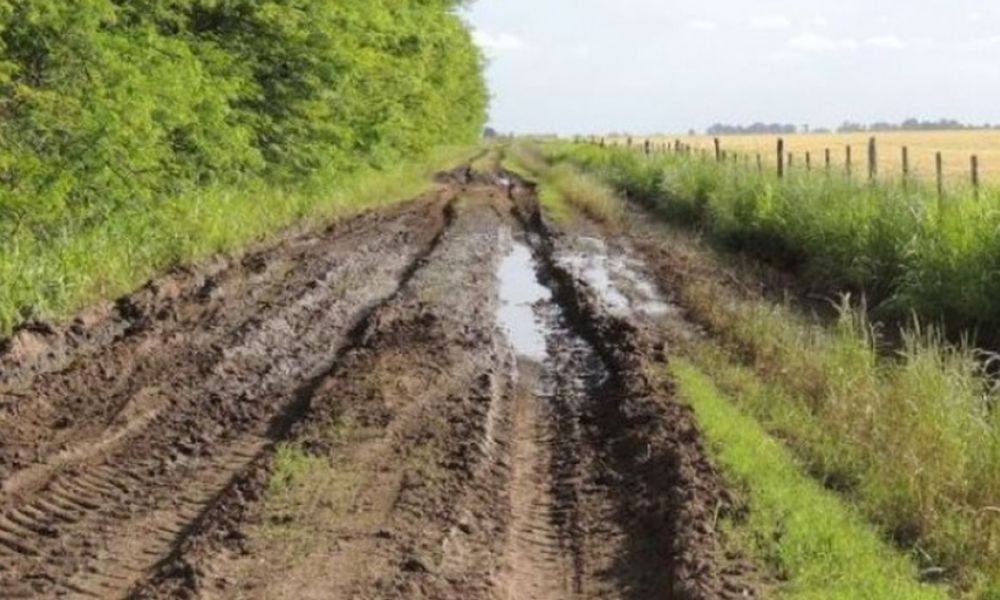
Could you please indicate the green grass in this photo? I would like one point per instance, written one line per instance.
(813, 544)
(565, 188)
(897, 244)
(54, 277)
(910, 438)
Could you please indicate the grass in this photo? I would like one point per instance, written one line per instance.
(565, 188)
(910, 437)
(55, 276)
(812, 543)
(896, 244)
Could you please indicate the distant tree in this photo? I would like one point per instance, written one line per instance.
(490, 133)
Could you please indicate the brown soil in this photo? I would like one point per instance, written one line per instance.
(342, 415)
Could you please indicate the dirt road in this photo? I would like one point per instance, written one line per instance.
(455, 394)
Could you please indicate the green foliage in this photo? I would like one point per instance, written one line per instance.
(897, 244)
(110, 109)
(815, 545)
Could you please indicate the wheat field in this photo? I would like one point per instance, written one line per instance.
(957, 148)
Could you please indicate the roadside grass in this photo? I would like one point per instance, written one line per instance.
(566, 188)
(910, 437)
(812, 543)
(54, 277)
(896, 243)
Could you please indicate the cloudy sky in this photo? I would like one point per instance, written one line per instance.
(582, 66)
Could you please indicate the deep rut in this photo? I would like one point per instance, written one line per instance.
(540, 564)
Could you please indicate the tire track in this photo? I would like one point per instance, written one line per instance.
(92, 519)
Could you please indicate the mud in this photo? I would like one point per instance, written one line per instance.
(464, 390)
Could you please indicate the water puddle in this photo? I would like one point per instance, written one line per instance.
(617, 279)
(520, 295)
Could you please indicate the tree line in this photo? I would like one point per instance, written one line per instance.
(911, 124)
(106, 104)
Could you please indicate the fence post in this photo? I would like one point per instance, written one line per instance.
(781, 158)
(718, 149)
(872, 159)
(827, 153)
(847, 161)
(906, 164)
(791, 160)
(646, 147)
(975, 174)
(939, 168)
(760, 163)
(809, 166)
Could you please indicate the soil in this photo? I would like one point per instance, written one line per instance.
(446, 399)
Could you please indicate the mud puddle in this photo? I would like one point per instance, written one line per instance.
(521, 294)
(616, 276)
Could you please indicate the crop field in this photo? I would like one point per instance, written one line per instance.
(956, 147)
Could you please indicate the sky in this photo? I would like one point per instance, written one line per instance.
(644, 66)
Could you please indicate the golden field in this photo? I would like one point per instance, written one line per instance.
(957, 148)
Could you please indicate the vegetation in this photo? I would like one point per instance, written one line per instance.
(896, 244)
(812, 543)
(138, 134)
(566, 188)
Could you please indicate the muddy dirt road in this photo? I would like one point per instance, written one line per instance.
(463, 389)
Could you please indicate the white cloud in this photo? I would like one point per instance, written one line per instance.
(772, 22)
(886, 41)
(814, 42)
(819, 22)
(702, 25)
(497, 43)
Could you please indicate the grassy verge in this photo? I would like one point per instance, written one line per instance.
(54, 277)
(897, 243)
(814, 545)
(910, 438)
(565, 188)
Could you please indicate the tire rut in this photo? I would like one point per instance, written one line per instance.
(92, 517)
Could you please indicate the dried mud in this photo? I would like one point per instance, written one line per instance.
(456, 400)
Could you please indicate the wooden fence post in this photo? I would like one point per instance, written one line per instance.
(975, 174)
(760, 163)
(647, 146)
(791, 160)
(718, 149)
(809, 161)
(906, 164)
(872, 159)
(847, 161)
(827, 153)
(781, 158)
(939, 168)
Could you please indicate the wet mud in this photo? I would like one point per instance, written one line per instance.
(457, 393)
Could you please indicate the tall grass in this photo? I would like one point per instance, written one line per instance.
(55, 275)
(565, 187)
(912, 437)
(895, 242)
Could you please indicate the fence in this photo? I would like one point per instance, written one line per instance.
(785, 161)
